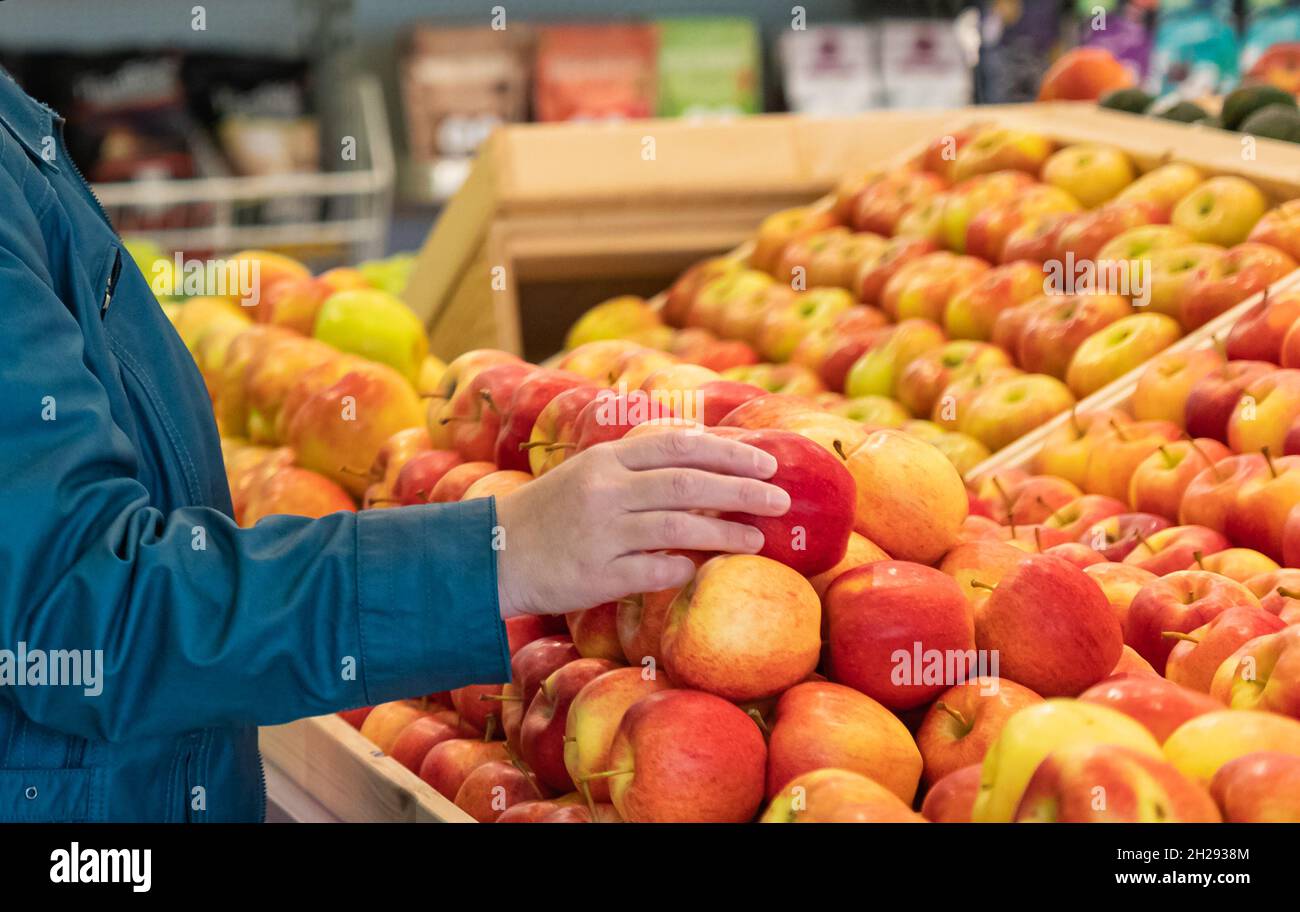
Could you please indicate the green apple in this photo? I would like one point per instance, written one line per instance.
(374, 325)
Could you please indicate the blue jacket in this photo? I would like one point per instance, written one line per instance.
(116, 536)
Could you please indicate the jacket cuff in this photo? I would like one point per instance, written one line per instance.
(427, 599)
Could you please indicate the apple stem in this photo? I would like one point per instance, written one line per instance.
(759, 721)
(518, 764)
(451, 418)
(1288, 593)
(1176, 635)
(1169, 459)
(602, 775)
(1038, 538)
(551, 448)
(504, 698)
(955, 714)
(1074, 422)
(490, 729)
(838, 446)
(1119, 430)
(1142, 540)
(533, 444)
(980, 584)
(630, 602)
(1199, 557)
(1268, 459)
(585, 789)
(486, 396)
(1218, 476)
(346, 470)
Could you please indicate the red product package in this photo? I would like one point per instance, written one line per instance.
(595, 72)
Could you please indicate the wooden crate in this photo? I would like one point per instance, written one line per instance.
(555, 217)
(351, 778)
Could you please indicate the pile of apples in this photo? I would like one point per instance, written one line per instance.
(916, 297)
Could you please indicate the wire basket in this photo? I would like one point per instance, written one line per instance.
(339, 216)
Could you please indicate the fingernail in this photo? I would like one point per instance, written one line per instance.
(778, 499)
(765, 463)
(754, 540)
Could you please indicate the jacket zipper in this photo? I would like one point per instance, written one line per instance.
(81, 177)
(111, 289)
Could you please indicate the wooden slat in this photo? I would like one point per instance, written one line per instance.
(355, 781)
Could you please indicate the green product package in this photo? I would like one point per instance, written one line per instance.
(708, 67)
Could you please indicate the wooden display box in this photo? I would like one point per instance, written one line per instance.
(557, 217)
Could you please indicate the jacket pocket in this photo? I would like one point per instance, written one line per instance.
(51, 796)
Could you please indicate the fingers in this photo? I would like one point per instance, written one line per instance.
(695, 489)
(653, 572)
(654, 531)
(684, 449)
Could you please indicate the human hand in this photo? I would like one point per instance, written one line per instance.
(583, 533)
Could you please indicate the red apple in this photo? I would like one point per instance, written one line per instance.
(1175, 548)
(959, 727)
(812, 536)
(887, 621)
(1120, 583)
(421, 473)
(682, 756)
(1262, 674)
(593, 718)
(1134, 788)
(820, 724)
(837, 796)
(1212, 400)
(1179, 602)
(1115, 537)
(541, 735)
(492, 788)
(1051, 625)
(446, 765)
(418, 738)
(1211, 494)
(1226, 281)
(530, 397)
(952, 798)
(744, 628)
(451, 487)
(1159, 481)
(1197, 655)
(1258, 335)
(1263, 787)
(1160, 705)
(1163, 389)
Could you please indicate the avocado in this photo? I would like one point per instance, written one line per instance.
(1243, 102)
(1211, 121)
(1135, 101)
(1181, 111)
(1275, 121)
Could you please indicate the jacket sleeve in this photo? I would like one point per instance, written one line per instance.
(201, 623)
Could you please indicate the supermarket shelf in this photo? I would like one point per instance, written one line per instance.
(355, 205)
